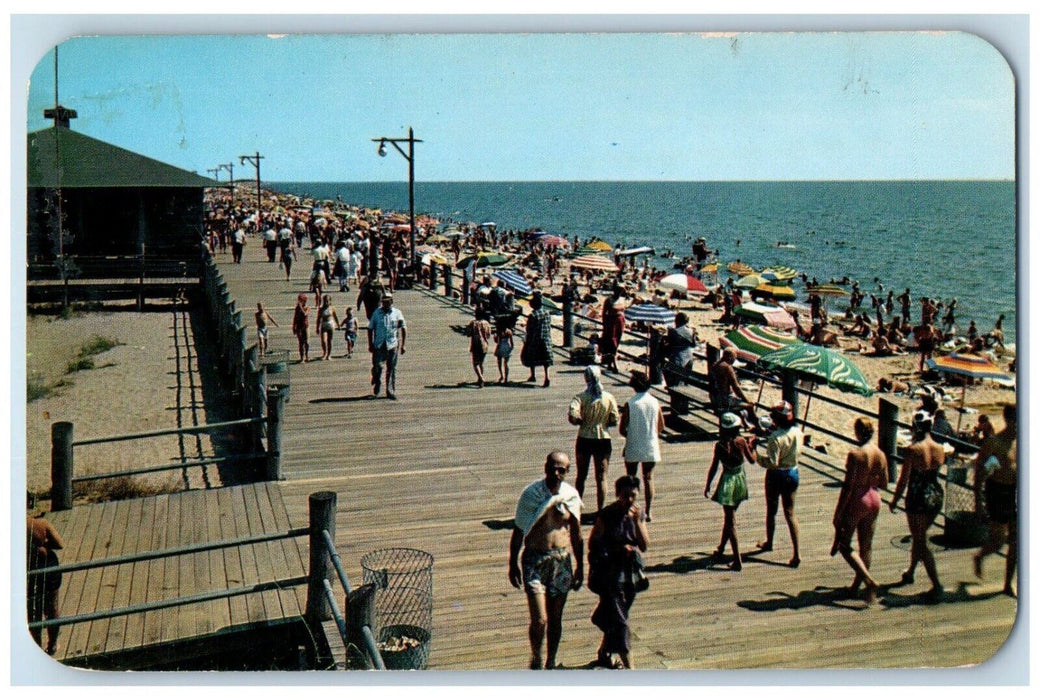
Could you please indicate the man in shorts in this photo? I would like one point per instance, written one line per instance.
(42, 542)
(726, 394)
(548, 527)
(996, 475)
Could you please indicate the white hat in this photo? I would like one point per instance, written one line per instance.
(728, 421)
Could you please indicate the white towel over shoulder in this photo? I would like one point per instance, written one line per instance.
(536, 500)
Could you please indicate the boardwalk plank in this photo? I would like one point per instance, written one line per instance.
(255, 603)
(111, 577)
(237, 608)
(150, 511)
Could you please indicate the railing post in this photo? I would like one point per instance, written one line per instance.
(447, 280)
(275, 408)
(322, 517)
(61, 466)
(432, 280)
(888, 414)
(568, 318)
(789, 390)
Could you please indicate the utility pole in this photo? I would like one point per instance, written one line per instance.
(255, 161)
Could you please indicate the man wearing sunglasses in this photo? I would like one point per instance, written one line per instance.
(548, 526)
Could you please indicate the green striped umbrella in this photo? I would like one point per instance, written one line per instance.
(753, 341)
(818, 365)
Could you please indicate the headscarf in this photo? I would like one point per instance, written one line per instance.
(592, 381)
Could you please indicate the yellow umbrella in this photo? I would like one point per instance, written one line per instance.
(600, 245)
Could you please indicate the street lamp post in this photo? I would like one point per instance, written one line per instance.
(230, 167)
(410, 157)
(255, 161)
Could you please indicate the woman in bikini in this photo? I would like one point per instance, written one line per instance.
(326, 323)
(866, 470)
(919, 478)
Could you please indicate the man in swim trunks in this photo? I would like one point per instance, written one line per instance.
(725, 392)
(42, 542)
(262, 318)
(1001, 487)
(548, 526)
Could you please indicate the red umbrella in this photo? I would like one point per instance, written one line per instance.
(683, 282)
(553, 241)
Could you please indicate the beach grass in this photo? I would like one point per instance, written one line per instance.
(85, 358)
(119, 488)
(36, 388)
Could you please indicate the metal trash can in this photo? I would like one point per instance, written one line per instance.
(963, 527)
(404, 604)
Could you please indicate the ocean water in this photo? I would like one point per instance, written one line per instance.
(945, 239)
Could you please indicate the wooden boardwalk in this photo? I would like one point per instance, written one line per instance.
(117, 528)
(440, 470)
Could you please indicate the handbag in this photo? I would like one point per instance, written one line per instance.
(640, 582)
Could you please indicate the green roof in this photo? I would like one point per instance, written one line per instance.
(88, 162)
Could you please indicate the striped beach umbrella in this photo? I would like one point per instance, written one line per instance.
(765, 315)
(750, 281)
(650, 313)
(829, 290)
(514, 280)
(775, 291)
(820, 366)
(739, 268)
(751, 342)
(683, 282)
(968, 364)
(779, 273)
(594, 262)
(484, 259)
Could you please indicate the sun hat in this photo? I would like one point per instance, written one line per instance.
(728, 421)
(783, 408)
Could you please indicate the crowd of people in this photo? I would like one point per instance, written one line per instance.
(362, 251)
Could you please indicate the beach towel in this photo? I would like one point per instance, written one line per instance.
(536, 500)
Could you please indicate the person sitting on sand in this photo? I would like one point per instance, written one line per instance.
(861, 328)
(881, 345)
(983, 430)
(886, 385)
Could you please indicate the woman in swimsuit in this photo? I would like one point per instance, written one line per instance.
(731, 451)
(924, 496)
(866, 470)
(299, 327)
(326, 323)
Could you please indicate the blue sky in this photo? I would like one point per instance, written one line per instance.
(744, 106)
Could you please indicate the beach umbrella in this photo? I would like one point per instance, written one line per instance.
(710, 267)
(779, 273)
(426, 248)
(820, 366)
(766, 315)
(454, 233)
(515, 281)
(639, 250)
(739, 268)
(829, 290)
(484, 259)
(683, 282)
(594, 262)
(553, 241)
(650, 313)
(753, 341)
(775, 291)
(967, 364)
(437, 238)
(600, 246)
(750, 281)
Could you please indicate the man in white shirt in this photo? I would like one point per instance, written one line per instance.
(783, 447)
(386, 339)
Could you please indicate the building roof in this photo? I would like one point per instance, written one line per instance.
(88, 162)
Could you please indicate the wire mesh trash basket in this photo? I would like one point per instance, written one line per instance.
(404, 604)
(277, 363)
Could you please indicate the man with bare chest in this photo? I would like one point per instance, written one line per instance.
(548, 527)
(996, 476)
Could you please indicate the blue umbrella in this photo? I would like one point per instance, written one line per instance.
(515, 281)
(650, 313)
